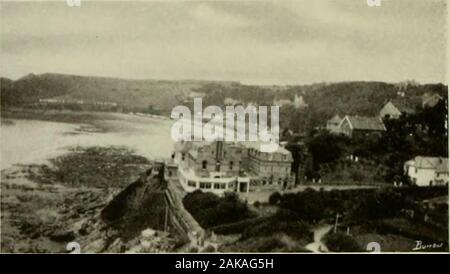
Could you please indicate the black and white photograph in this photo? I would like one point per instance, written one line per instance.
(230, 126)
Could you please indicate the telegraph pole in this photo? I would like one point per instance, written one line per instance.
(165, 218)
(336, 222)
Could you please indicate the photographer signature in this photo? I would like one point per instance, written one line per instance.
(421, 246)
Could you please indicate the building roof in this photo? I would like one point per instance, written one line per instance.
(257, 145)
(335, 120)
(426, 98)
(365, 123)
(440, 164)
(404, 105)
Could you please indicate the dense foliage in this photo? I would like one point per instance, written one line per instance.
(211, 210)
(380, 158)
(355, 204)
(340, 242)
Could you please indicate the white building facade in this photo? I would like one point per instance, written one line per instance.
(427, 171)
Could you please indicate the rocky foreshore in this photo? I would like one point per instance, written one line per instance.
(45, 207)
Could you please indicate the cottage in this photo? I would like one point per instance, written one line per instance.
(354, 126)
(427, 171)
(333, 124)
(429, 101)
(393, 109)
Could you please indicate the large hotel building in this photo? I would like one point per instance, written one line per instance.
(221, 166)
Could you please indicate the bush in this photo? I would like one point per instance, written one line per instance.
(210, 210)
(284, 221)
(274, 198)
(340, 242)
(209, 249)
(238, 227)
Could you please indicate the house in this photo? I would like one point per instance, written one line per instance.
(299, 102)
(393, 109)
(230, 102)
(430, 100)
(427, 171)
(354, 126)
(333, 124)
(281, 102)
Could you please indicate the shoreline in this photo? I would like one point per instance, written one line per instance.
(46, 206)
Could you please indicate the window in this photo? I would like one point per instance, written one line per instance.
(183, 155)
(231, 165)
(219, 186)
(205, 185)
(205, 164)
(218, 166)
(192, 184)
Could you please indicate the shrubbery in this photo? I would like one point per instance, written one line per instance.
(340, 242)
(211, 210)
(354, 204)
(285, 222)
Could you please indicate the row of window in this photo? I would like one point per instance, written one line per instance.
(270, 182)
(259, 153)
(272, 169)
(238, 151)
(207, 185)
(205, 165)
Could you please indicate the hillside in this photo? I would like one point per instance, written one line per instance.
(324, 100)
(163, 94)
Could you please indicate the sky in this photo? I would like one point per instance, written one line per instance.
(254, 42)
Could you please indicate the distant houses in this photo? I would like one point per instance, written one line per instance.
(393, 109)
(333, 125)
(230, 102)
(427, 171)
(297, 103)
(281, 102)
(96, 105)
(355, 126)
(430, 100)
